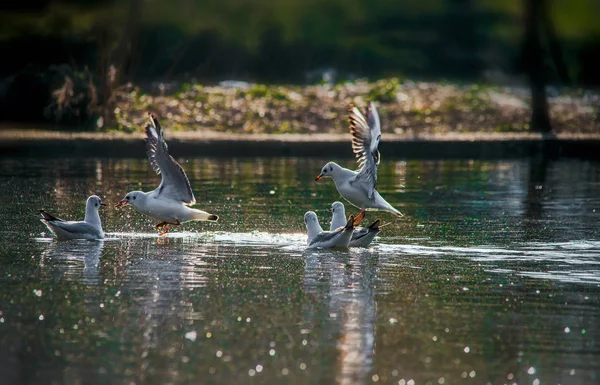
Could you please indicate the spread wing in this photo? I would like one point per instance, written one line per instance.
(174, 184)
(366, 133)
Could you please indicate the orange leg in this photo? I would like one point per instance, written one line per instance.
(359, 218)
(161, 226)
(166, 230)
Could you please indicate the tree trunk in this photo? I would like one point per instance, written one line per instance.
(534, 64)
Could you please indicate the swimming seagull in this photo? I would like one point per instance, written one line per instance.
(89, 228)
(362, 236)
(169, 202)
(358, 187)
(328, 239)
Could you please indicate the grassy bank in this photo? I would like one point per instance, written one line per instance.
(406, 108)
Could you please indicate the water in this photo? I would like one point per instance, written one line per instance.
(492, 277)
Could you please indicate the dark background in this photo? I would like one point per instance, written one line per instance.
(291, 41)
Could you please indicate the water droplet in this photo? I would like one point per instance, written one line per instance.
(536, 382)
(393, 321)
(434, 338)
(472, 374)
(531, 370)
(251, 372)
(302, 366)
(191, 336)
(285, 371)
(272, 352)
(38, 292)
(441, 380)
(572, 372)
(259, 368)
(375, 378)
(41, 317)
(567, 330)
(467, 349)
(219, 353)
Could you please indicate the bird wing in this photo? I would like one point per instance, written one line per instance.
(74, 227)
(326, 236)
(174, 184)
(366, 134)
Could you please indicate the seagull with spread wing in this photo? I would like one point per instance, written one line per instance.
(358, 187)
(169, 202)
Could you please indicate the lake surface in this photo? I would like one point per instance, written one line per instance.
(492, 277)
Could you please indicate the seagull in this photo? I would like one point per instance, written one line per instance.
(169, 202)
(328, 239)
(89, 228)
(358, 187)
(362, 236)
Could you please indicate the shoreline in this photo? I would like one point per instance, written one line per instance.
(46, 143)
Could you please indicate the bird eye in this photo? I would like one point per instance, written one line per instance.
(134, 196)
(330, 168)
(127, 197)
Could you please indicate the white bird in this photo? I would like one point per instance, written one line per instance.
(169, 202)
(328, 239)
(358, 187)
(89, 228)
(362, 236)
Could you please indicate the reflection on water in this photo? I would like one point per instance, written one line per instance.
(492, 277)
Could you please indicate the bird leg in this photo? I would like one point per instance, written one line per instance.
(359, 218)
(162, 225)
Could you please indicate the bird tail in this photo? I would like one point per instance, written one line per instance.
(375, 225)
(393, 210)
(350, 224)
(47, 216)
(200, 215)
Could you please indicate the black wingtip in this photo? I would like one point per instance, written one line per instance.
(375, 225)
(213, 217)
(154, 121)
(47, 216)
(350, 223)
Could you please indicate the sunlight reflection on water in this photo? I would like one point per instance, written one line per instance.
(479, 281)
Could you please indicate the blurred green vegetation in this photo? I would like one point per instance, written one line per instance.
(288, 40)
(67, 59)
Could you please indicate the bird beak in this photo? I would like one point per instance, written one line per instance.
(102, 204)
(330, 210)
(319, 176)
(121, 203)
